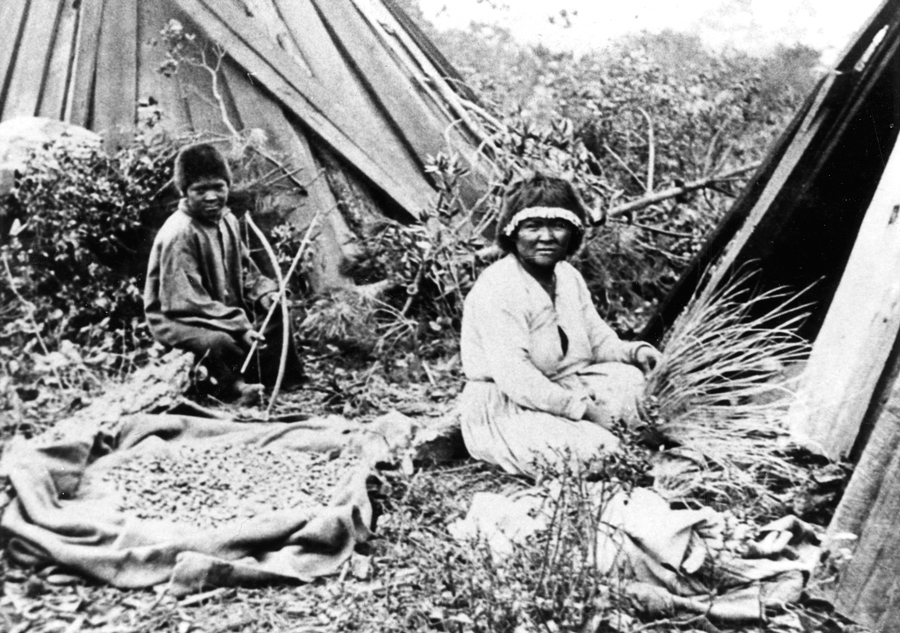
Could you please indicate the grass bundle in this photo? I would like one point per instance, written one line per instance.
(726, 378)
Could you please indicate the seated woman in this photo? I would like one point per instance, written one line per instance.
(545, 375)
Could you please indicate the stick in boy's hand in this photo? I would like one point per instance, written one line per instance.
(283, 290)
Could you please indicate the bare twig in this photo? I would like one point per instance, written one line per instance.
(29, 311)
(236, 624)
(622, 162)
(671, 192)
(670, 621)
(214, 75)
(651, 151)
(412, 290)
(287, 173)
(203, 597)
(654, 229)
(264, 178)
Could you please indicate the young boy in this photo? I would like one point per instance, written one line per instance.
(202, 285)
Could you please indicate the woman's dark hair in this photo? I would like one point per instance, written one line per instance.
(540, 191)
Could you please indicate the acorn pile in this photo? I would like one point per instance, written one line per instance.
(212, 486)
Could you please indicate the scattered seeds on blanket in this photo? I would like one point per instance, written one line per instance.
(212, 486)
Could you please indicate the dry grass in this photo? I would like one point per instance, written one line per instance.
(725, 379)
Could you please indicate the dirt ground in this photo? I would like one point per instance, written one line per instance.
(412, 577)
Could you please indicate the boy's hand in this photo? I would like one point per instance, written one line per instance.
(267, 301)
(252, 336)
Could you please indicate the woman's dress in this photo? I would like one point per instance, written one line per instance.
(532, 363)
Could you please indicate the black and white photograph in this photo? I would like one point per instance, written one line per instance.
(452, 316)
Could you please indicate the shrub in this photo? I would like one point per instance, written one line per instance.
(78, 259)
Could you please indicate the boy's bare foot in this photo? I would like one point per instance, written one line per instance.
(247, 394)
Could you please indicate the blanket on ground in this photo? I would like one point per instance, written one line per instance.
(668, 561)
(49, 519)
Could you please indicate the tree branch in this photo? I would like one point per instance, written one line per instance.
(665, 194)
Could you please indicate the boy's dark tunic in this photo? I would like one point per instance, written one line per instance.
(201, 284)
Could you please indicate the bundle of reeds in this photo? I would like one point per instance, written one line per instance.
(727, 377)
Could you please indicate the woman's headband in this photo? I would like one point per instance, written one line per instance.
(550, 213)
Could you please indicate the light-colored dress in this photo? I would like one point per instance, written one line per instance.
(524, 396)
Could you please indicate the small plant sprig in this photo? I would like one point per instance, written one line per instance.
(551, 582)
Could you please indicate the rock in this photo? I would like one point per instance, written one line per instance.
(439, 441)
(361, 567)
(385, 438)
(395, 438)
(21, 136)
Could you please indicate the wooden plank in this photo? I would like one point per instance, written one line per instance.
(421, 41)
(723, 235)
(792, 167)
(322, 59)
(872, 467)
(266, 12)
(865, 511)
(329, 68)
(859, 330)
(13, 14)
(458, 130)
(257, 110)
(82, 91)
(320, 110)
(395, 93)
(30, 71)
(441, 82)
(751, 215)
(152, 85)
(888, 10)
(869, 586)
(59, 71)
(115, 93)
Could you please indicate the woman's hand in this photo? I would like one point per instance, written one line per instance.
(598, 416)
(647, 357)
